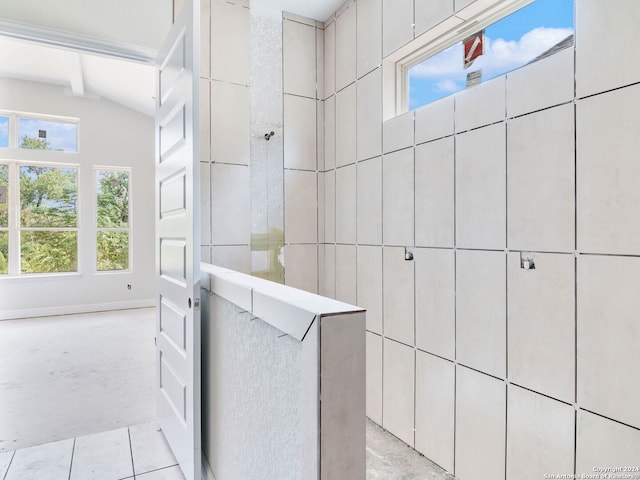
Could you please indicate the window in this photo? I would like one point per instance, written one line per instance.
(468, 49)
(4, 132)
(43, 237)
(39, 134)
(112, 219)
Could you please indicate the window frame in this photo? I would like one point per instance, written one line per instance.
(14, 131)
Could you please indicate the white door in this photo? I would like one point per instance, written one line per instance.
(178, 241)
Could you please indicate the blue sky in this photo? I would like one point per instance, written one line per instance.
(61, 136)
(509, 44)
(4, 132)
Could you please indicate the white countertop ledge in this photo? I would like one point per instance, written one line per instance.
(288, 309)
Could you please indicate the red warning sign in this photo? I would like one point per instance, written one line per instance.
(473, 48)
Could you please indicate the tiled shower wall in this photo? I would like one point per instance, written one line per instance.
(491, 370)
(260, 199)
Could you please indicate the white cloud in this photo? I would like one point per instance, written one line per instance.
(447, 86)
(500, 55)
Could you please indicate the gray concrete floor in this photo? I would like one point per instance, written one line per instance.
(74, 375)
(391, 459)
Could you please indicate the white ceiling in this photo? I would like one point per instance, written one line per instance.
(316, 9)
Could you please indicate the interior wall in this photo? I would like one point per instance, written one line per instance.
(491, 370)
(108, 135)
(140, 22)
(260, 198)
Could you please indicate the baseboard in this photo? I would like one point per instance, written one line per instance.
(73, 309)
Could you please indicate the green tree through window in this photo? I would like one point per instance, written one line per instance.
(112, 220)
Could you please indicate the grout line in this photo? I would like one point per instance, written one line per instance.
(133, 466)
(9, 466)
(73, 451)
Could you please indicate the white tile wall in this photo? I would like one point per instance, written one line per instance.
(300, 207)
(541, 181)
(330, 206)
(398, 295)
(329, 59)
(230, 123)
(205, 120)
(330, 133)
(480, 188)
(320, 135)
(541, 84)
(603, 443)
(369, 283)
(369, 208)
(301, 267)
(435, 301)
(435, 409)
(230, 204)
(230, 27)
(346, 126)
(346, 204)
(434, 193)
(481, 105)
(398, 390)
(397, 24)
(605, 33)
(480, 426)
(235, 257)
(205, 38)
(369, 35)
(608, 173)
(369, 119)
(429, 14)
(608, 332)
(374, 377)
(397, 133)
(299, 133)
(481, 311)
(434, 120)
(321, 207)
(329, 284)
(346, 273)
(299, 53)
(397, 198)
(346, 47)
(540, 435)
(205, 203)
(542, 301)
(319, 62)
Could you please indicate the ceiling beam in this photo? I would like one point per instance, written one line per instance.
(76, 74)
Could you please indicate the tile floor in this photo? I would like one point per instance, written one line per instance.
(138, 452)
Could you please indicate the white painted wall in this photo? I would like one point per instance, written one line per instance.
(109, 135)
(137, 22)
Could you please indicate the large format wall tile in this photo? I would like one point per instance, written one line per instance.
(374, 377)
(540, 435)
(603, 443)
(301, 267)
(397, 24)
(480, 426)
(300, 207)
(346, 126)
(397, 198)
(398, 295)
(434, 120)
(397, 132)
(370, 285)
(205, 120)
(369, 129)
(328, 284)
(330, 206)
(541, 179)
(434, 186)
(435, 301)
(230, 204)
(398, 390)
(330, 59)
(369, 35)
(435, 409)
(480, 188)
(346, 204)
(299, 58)
(346, 47)
(481, 105)
(605, 32)
(230, 27)
(346, 273)
(481, 311)
(299, 133)
(369, 222)
(542, 301)
(230, 123)
(608, 332)
(541, 84)
(330, 133)
(234, 257)
(608, 171)
(429, 14)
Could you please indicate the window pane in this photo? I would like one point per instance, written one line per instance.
(527, 35)
(113, 251)
(38, 134)
(4, 253)
(48, 197)
(113, 198)
(4, 196)
(47, 252)
(4, 132)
